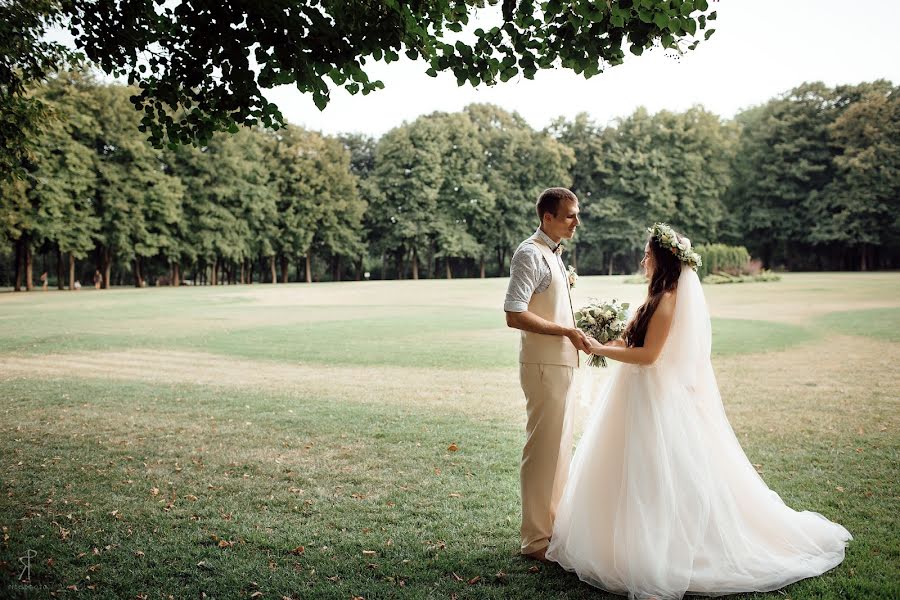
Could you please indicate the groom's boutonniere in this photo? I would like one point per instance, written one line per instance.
(573, 276)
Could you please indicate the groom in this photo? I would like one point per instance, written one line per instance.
(538, 302)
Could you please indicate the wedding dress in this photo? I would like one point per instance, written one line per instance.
(661, 499)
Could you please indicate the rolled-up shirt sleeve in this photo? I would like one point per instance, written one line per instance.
(524, 278)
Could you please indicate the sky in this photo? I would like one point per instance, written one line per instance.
(761, 48)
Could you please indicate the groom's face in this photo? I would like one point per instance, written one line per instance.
(565, 222)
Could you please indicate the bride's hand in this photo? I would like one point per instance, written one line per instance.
(594, 347)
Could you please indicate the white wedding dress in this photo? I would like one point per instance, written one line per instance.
(661, 499)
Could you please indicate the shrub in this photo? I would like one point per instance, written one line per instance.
(719, 258)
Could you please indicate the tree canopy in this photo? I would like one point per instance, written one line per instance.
(201, 67)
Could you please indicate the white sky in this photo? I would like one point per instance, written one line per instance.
(761, 48)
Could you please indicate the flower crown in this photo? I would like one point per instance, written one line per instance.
(681, 247)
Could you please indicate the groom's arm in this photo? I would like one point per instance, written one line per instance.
(529, 321)
(524, 279)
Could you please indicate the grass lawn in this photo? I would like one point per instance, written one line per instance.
(295, 440)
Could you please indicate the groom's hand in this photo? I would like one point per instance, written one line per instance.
(579, 339)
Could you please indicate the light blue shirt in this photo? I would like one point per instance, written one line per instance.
(529, 274)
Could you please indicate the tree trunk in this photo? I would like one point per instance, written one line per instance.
(449, 270)
(359, 268)
(214, 271)
(272, 268)
(415, 262)
(284, 268)
(308, 268)
(105, 265)
(337, 268)
(243, 272)
(71, 271)
(401, 264)
(60, 270)
(176, 275)
(29, 275)
(20, 264)
(384, 274)
(862, 259)
(482, 266)
(138, 277)
(610, 263)
(431, 262)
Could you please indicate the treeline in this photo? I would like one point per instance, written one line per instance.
(809, 180)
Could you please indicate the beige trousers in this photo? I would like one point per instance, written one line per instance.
(548, 449)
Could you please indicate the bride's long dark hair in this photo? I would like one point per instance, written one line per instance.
(666, 271)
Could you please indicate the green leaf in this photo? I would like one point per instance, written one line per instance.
(636, 49)
(708, 34)
(690, 26)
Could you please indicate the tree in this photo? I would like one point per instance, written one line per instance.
(213, 62)
(464, 201)
(61, 189)
(408, 175)
(519, 164)
(26, 58)
(860, 208)
(784, 174)
(319, 206)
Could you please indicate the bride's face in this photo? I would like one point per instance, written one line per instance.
(647, 261)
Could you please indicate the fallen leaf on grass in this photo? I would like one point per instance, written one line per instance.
(456, 577)
(368, 553)
(534, 569)
(298, 550)
(839, 488)
(453, 447)
(474, 580)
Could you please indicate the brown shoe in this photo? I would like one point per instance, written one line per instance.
(539, 555)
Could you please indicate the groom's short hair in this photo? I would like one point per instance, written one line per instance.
(548, 201)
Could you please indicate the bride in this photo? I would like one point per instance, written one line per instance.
(661, 499)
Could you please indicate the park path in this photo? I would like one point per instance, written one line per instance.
(838, 382)
(494, 391)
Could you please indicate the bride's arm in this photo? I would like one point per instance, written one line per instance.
(657, 332)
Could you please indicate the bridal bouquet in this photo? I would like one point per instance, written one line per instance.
(604, 321)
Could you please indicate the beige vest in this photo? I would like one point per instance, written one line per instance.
(553, 304)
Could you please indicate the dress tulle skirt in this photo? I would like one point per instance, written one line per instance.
(662, 501)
